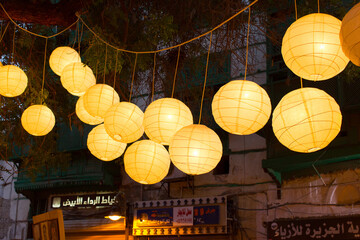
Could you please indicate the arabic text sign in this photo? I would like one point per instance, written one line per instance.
(327, 228)
(84, 200)
(154, 217)
(183, 216)
(206, 215)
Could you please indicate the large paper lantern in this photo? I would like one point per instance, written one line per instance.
(146, 162)
(195, 149)
(38, 120)
(99, 98)
(306, 120)
(61, 57)
(350, 34)
(241, 107)
(102, 146)
(84, 116)
(124, 122)
(311, 47)
(164, 117)
(77, 78)
(13, 81)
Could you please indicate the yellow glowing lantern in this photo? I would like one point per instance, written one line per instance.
(241, 107)
(147, 162)
(306, 120)
(195, 149)
(84, 116)
(13, 81)
(124, 122)
(99, 98)
(164, 117)
(61, 57)
(38, 120)
(77, 78)
(102, 146)
(349, 34)
(311, 47)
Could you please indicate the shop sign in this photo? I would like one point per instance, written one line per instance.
(87, 201)
(183, 216)
(305, 229)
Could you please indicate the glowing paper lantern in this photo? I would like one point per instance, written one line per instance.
(38, 120)
(311, 47)
(61, 57)
(84, 116)
(349, 34)
(164, 117)
(195, 149)
(102, 146)
(99, 98)
(241, 107)
(147, 162)
(124, 122)
(13, 81)
(306, 120)
(77, 78)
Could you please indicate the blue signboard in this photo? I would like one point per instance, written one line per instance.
(205, 215)
(155, 217)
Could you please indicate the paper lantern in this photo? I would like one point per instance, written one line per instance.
(311, 47)
(124, 122)
(164, 117)
(99, 98)
(84, 116)
(61, 57)
(102, 146)
(241, 107)
(146, 162)
(306, 120)
(38, 120)
(13, 81)
(195, 149)
(77, 78)
(350, 34)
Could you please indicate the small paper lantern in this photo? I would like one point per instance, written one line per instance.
(146, 162)
(84, 116)
(77, 78)
(164, 117)
(195, 149)
(241, 107)
(61, 57)
(13, 81)
(124, 122)
(306, 120)
(99, 98)
(102, 146)
(349, 34)
(38, 120)
(311, 47)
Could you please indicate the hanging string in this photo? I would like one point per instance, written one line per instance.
(301, 82)
(247, 44)
(13, 47)
(153, 80)
(3, 33)
(105, 63)
(296, 16)
(318, 6)
(76, 34)
(116, 62)
(96, 69)
(133, 76)
(206, 70)
(80, 38)
(176, 68)
(43, 80)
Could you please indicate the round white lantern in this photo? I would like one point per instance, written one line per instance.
(124, 122)
(306, 120)
(99, 98)
(84, 116)
(102, 146)
(241, 107)
(311, 47)
(350, 34)
(164, 117)
(195, 149)
(77, 78)
(13, 81)
(38, 120)
(61, 57)
(146, 162)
